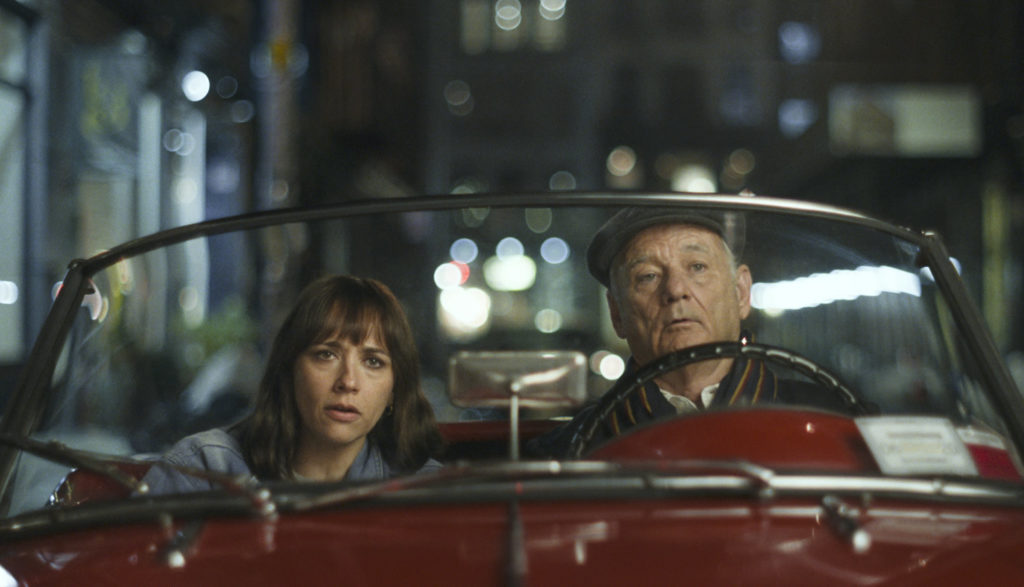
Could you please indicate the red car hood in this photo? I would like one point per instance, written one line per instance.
(589, 536)
(706, 541)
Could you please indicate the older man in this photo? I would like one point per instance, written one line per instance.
(673, 282)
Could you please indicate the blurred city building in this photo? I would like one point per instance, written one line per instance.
(122, 117)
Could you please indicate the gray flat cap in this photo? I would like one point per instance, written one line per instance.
(627, 223)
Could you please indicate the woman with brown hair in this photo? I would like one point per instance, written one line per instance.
(340, 399)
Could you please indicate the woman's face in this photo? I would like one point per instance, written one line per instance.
(341, 390)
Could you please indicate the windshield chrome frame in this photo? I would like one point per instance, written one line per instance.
(32, 391)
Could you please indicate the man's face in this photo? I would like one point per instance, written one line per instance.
(672, 287)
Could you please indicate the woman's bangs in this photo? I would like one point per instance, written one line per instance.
(352, 322)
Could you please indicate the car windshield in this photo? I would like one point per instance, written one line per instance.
(173, 341)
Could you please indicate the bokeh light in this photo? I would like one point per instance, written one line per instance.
(554, 250)
(464, 250)
(195, 85)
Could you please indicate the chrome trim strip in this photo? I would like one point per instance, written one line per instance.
(448, 202)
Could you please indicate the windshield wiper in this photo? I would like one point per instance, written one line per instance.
(672, 476)
(664, 474)
(60, 453)
(456, 472)
(654, 475)
(258, 495)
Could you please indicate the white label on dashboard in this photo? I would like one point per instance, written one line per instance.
(910, 445)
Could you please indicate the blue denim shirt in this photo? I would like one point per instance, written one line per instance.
(217, 450)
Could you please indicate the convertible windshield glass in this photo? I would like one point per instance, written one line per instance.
(173, 341)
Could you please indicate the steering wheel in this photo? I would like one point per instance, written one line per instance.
(611, 400)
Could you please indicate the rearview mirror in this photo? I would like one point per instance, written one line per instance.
(535, 379)
(539, 379)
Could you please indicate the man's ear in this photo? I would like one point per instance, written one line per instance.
(613, 310)
(743, 285)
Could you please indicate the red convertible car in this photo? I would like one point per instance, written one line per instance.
(900, 465)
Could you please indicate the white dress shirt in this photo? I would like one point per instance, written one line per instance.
(685, 405)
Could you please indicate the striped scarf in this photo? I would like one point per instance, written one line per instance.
(748, 382)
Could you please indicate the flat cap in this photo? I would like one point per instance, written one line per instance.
(616, 233)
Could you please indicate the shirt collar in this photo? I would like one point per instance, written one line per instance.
(683, 404)
(369, 465)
